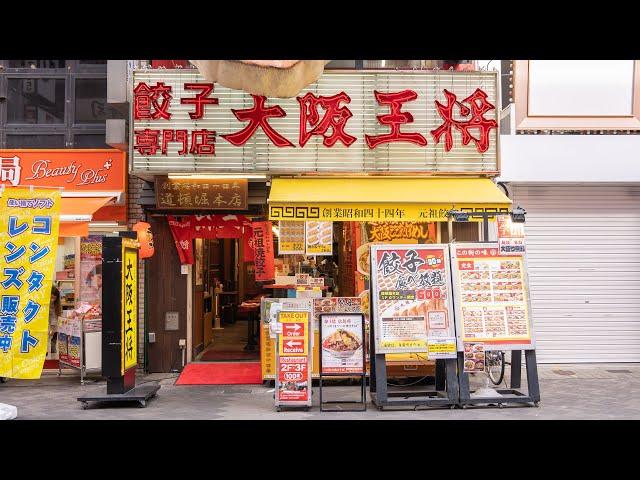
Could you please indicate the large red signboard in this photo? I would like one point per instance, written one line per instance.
(153, 101)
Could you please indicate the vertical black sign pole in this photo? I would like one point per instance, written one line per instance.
(120, 322)
(112, 318)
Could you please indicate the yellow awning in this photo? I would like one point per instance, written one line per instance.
(382, 198)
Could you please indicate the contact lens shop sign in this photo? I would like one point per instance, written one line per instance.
(412, 300)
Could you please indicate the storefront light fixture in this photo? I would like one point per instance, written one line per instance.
(459, 216)
(517, 215)
(202, 176)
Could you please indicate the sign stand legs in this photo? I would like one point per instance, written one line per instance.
(511, 395)
(447, 396)
(516, 366)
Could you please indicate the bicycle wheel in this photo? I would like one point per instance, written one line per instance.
(495, 367)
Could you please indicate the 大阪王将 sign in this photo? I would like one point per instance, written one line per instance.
(346, 121)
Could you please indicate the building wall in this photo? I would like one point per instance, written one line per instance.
(135, 214)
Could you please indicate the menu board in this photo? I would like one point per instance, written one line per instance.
(342, 343)
(492, 299)
(410, 287)
(291, 239)
(268, 315)
(319, 238)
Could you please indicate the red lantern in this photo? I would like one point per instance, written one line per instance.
(145, 238)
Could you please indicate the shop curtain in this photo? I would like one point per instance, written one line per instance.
(229, 226)
(204, 226)
(182, 232)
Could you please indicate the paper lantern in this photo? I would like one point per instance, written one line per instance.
(145, 238)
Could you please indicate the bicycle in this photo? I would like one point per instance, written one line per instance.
(495, 365)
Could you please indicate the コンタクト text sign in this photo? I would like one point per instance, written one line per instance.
(29, 239)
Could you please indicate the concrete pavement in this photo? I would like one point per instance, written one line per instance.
(569, 392)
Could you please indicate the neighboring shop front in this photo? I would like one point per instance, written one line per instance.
(359, 157)
(93, 204)
(582, 251)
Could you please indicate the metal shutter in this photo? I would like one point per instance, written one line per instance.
(583, 253)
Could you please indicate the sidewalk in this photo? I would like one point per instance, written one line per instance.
(569, 392)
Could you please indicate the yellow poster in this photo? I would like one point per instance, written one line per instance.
(129, 306)
(28, 245)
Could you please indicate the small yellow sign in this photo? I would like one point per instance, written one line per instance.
(294, 339)
(129, 307)
(449, 347)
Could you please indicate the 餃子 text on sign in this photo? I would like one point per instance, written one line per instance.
(202, 194)
(264, 266)
(411, 298)
(409, 121)
(29, 239)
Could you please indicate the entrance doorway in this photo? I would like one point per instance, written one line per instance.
(224, 330)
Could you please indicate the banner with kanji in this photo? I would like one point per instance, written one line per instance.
(182, 232)
(263, 251)
(28, 242)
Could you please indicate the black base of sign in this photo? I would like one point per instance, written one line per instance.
(446, 394)
(138, 394)
(121, 384)
(511, 395)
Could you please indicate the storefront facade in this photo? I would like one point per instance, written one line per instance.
(356, 148)
(570, 160)
(93, 204)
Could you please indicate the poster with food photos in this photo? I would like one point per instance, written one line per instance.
(319, 238)
(492, 298)
(410, 291)
(342, 343)
(291, 238)
(474, 357)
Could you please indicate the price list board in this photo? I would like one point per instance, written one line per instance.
(491, 295)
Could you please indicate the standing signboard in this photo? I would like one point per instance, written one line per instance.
(342, 352)
(411, 300)
(493, 312)
(269, 309)
(491, 294)
(120, 322)
(29, 238)
(412, 312)
(293, 380)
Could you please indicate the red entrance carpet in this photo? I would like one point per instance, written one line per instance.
(245, 373)
(50, 365)
(213, 356)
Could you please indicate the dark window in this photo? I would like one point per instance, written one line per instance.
(37, 63)
(35, 141)
(92, 62)
(35, 100)
(89, 141)
(91, 100)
